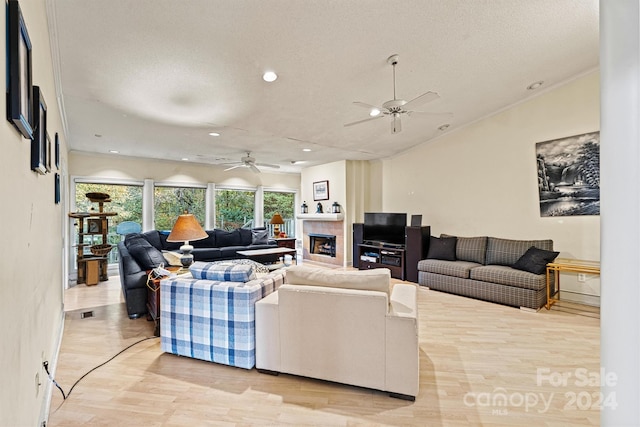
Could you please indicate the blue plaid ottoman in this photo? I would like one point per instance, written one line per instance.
(213, 320)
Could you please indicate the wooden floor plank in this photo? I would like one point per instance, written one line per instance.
(472, 353)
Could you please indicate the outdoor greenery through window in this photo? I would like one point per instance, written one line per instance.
(283, 203)
(126, 201)
(234, 209)
(169, 202)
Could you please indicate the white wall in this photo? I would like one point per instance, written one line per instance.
(31, 312)
(335, 173)
(482, 179)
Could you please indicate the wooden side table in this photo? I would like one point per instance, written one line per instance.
(567, 265)
(153, 299)
(286, 242)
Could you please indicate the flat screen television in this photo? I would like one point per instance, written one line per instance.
(384, 228)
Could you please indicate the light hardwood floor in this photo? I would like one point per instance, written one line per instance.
(474, 356)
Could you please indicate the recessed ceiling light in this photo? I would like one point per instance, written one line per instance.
(114, 151)
(306, 149)
(269, 76)
(444, 127)
(184, 159)
(214, 134)
(535, 85)
(374, 112)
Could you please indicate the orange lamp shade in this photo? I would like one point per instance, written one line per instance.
(186, 228)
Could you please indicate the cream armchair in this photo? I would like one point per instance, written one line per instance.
(342, 326)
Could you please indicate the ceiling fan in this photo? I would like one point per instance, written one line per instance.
(249, 162)
(397, 107)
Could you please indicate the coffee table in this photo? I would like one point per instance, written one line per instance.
(268, 256)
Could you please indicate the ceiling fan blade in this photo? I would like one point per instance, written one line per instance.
(365, 120)
(396, 124)
(419, 100)
(233, 167)
(253, 168)
(267, 165)
(367, 106)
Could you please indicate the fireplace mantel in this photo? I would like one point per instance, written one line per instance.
(321, 216)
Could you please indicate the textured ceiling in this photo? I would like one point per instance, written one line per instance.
(151, 78)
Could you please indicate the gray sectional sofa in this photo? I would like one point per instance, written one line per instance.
(510, 272)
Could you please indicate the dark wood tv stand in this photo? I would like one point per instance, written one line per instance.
(402, 260)
(381, 256)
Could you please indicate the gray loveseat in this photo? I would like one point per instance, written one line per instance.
(139, 253)
(510, 272)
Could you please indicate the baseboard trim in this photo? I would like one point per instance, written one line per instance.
(53, 363)
(580, 298)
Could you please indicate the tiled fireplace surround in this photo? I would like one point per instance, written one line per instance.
(323, 227)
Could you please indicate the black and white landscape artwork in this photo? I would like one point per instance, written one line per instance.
(569, 175)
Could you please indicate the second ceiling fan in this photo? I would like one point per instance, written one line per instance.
(395, 108)
(249, 162)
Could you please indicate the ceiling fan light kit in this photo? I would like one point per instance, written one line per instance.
(395, 108)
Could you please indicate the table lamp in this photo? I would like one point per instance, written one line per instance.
(186, 228)
(276, 220)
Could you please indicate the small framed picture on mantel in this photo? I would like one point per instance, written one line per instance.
(321, 190)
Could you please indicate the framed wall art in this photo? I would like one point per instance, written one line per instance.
(321, 190)
(57, 151)
(569, 175)
(19, 84)
(48, 154)
(57, 188)
(39, 141)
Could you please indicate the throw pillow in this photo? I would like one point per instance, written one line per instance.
(260, 237)
(147, 256)
(443, 248)
(507, 252)
(222, 271)
(246, 236)
(535, 260)
(168, 246)
(173, 258)
(257, 267)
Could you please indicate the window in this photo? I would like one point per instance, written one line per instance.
(169, 202)
(234, 209)
(283, 203)
(126, 201)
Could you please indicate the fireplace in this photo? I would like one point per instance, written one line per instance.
(322, 244)
(325, 229)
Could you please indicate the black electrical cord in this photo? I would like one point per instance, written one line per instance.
(46, 368)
